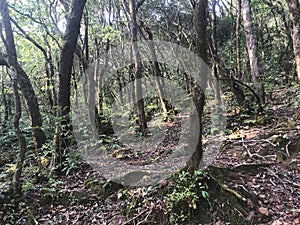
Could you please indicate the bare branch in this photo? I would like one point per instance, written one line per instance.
(40, 22)
(125, 5)
(29, 38)
(139, 4)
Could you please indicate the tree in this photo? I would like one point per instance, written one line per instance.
(237, 36)
(156, 71)
(132, 8)
(252, 47)
(62, 137)
(200, 27)
(294, 7)
(11, 60)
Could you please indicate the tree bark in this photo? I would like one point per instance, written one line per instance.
(157, 72)
(38, 135)
(294, 7)
(252, 47)
(63, 132)
(200, 27)
(133, 9)
(237, 41)
(20, 136)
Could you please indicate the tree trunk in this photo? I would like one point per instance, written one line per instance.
(157, 72)
(20, 136)
(133, 9)
(63, 132)
(251, 47)
(38, 135)
(6, 107)
(294, 7)
(214, 49)
(200, 26)
(237, 41)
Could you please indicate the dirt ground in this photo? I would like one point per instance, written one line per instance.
(260, 164)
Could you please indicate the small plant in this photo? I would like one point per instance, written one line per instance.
(186, 194)
(51, 191)
(27, 186)
(72, 162)
(134, 198)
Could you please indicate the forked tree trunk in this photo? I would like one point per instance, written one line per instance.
(294, 7)
(251, 47)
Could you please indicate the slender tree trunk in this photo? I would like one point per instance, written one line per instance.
(157, 72)
(63, 132)
(5, 102)
(214, 35)
(237, 41)
(294, 7)
(251, 47)
(38, 135)
(214, 49)
(200, 27)
(20, 136)
(133, 9)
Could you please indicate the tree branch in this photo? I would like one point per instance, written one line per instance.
(139, 4)
(40, 23)
(3, 60)
(29, 38)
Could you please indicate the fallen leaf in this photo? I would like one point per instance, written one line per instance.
(263, 211)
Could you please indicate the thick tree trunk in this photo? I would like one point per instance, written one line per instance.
(138, 66)
(251, 47)
(294, 7)
(63, 131)
(38, 135)
(200, 26)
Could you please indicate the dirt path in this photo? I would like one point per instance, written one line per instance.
(261, 159)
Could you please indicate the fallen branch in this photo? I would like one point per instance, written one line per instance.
(226, 188)
(238, 195)
(137, 216)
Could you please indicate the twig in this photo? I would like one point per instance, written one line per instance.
(242, 186)
(246, 147)
(226, 188)
(272, 182)
(145, 218)
(137, 216)
(249, 153)
(270, 142)
(287, 149)
(293, 183)
(275, 175)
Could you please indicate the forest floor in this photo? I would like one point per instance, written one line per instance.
(258, 170)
